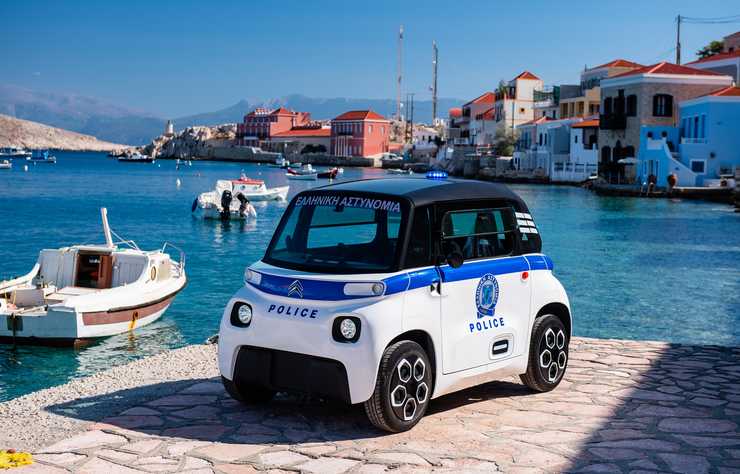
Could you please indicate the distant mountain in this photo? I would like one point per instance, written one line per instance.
(26, 134)
(134, 127)
(81, 114)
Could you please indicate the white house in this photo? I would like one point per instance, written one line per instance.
(514, 103)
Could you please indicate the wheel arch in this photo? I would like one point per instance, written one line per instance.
(561, 311)
(424, 339)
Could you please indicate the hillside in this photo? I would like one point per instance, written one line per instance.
(119, 124)
(25, 134)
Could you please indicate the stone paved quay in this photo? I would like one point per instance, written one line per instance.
(623, 407)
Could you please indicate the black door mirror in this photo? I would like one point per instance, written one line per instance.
(455, 259)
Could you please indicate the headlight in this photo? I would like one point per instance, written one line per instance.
(250, 276)
(241, 314)
(346, 329)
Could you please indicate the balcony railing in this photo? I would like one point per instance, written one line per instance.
(612, 122)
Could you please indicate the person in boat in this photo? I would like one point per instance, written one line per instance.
(246, 209)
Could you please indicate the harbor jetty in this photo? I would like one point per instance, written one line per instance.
(623, 406)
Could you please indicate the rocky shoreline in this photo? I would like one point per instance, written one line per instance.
(624, 406)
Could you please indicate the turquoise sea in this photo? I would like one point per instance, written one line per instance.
(634, 268)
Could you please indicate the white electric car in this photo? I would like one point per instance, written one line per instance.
(391, 292)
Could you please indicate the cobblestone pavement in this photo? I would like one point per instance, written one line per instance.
(623, 407)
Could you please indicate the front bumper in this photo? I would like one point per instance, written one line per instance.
(294, 352)
(288, 371)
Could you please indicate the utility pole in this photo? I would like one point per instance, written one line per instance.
(409, 117)
(678, 39)
(400, 72)
(434, 81)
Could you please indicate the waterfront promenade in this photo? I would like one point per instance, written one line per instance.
(624, 406)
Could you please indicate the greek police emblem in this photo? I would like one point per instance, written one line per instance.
(486, 295)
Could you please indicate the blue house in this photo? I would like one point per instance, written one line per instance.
(702, 150)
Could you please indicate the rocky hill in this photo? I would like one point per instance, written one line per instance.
(25, 134)
(191, 142)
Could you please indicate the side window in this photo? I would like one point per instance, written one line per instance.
(419, 252)
(480, 233)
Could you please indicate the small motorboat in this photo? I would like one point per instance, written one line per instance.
(399, 171)
(85, 291)
(42, 156)
(305, 173)
(235, 195)
(5, 165)
(329, 174)
(280, 162)
(136, 158)
(12, 152)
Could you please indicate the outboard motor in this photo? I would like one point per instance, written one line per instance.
(226, 205)
(243, 203)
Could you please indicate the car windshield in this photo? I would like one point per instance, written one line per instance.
(333, 233)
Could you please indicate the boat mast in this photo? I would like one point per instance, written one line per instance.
(106, 227)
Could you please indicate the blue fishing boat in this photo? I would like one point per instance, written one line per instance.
(42, 156)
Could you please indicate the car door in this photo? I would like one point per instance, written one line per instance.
(485, 302)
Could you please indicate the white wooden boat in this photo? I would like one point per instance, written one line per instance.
(5, 165)
(398, 171)
(12, 152)
(83, 292)
(304, 173)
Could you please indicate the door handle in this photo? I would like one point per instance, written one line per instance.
(436, 285)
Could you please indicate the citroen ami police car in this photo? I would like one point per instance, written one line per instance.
(391, 292)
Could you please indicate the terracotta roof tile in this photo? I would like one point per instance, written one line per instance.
(360, 115)
(618, 63)
(667, 68)
(586, 124)
(527, 75)
(717, 57)
(485, 98)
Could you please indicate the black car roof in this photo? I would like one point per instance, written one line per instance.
(422, 191)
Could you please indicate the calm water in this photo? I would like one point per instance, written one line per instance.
(638, 269)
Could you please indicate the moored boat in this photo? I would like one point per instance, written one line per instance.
(5, 165)
(42, 156)
(280, 162)
(84, 292)
(305, 173)
(398, 171)
(331, 173)
(235, 195)
(12, 152)
(136, 158)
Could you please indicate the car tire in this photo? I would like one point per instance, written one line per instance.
(247, 394)
(403, 388)
(548, 354)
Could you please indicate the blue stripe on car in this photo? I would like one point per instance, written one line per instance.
(334, 290)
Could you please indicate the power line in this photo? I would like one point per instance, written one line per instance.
(712, 21)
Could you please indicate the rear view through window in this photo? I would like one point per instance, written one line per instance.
(338, 234)
(481, 233)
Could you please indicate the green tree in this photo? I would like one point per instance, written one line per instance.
(711, 49)
(504, 141)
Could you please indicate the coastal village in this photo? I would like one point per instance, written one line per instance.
(625, 129)
(385, 318)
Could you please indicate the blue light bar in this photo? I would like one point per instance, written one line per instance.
(436, 174)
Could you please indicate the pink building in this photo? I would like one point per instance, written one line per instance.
(261, 124)
(359, 133)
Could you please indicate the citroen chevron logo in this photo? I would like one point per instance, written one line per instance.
(295, 288)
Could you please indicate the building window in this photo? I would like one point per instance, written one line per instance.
(608, 106)
(369, 129)
(662, 105)
(631, 105)
(697, 166)
(575, 138)
(702, 126)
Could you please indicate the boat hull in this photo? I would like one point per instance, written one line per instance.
(69, 327)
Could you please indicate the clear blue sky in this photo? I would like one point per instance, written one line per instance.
(175, 58)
